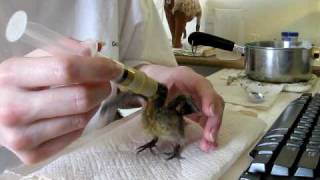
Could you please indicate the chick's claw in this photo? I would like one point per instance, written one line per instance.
(149, 146)
(175, 154)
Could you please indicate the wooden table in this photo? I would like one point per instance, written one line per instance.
(214, 62)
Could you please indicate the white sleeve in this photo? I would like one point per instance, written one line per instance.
(142, 37)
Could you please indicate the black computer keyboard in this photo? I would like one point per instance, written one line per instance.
(291, 147)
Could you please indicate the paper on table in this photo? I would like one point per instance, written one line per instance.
(112, 155)
(236, 94)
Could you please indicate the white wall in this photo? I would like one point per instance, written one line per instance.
(262, 19)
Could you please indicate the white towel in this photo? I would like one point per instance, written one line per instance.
(235, 93)
(112, 155)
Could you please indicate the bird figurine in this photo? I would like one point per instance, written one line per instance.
(178, 14)
(164, 120)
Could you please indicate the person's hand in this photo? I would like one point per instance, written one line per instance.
(46, 101)
(185, 80)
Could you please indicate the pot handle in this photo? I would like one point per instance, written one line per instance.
(316, 52)
(200, 38)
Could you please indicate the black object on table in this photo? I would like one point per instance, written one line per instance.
(291, 147)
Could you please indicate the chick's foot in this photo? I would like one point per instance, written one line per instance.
(149, 146)
(175, 154)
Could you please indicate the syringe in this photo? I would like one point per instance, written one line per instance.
(39, 36)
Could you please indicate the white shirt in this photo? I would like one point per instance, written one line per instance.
(131, 29)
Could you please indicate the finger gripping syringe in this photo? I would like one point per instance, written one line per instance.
(39, 36)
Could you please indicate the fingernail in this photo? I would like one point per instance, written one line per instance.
(207, 146)
(209, 135)
(204, 146)
(210, 110)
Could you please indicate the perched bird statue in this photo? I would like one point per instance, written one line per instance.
(178, 13)
(163, 120)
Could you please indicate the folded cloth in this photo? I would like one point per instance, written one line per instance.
(111, 154)
(232, 85)
(301, 87)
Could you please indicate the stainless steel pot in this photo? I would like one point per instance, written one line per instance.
(269, 61)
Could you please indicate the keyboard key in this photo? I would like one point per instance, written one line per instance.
(313, 110)
(285, 178)
(307, 125)
(301, 131)
(261, 163)
(312, 105)
(297, 136)
(273, 135)
(317, 103)
(303, 127)
(294, 143)
(316, 133)
(316, 143)
(312, 147)
(267, 145)
(272, 139)
(307, 165)
(314, 139)
(250, 176)
(285, 160)
(303, 99)
(309, 115)
(283, 131)
(288, 117)
(306, 120)
(267, 149)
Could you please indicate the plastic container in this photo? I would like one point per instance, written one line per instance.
(290, 36)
